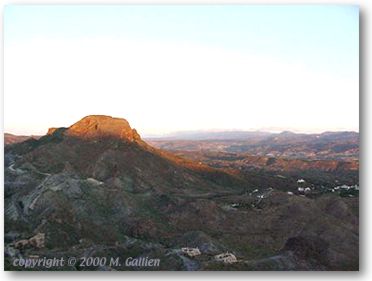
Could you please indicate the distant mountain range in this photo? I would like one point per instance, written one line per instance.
(327, 145)
(241, 135)
(209, 135)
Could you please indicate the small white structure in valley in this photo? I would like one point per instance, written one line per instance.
(304, 189)
(300, 181)
(226, 258)
(191, 252)
(94, 181)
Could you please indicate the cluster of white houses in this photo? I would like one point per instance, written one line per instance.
(303, 189)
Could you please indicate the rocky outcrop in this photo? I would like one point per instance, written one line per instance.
(102, 126)
(51, 131)
(37, 241)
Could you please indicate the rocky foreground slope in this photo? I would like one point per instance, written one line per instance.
(97, 189)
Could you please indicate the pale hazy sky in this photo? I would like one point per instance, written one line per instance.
(174, 68)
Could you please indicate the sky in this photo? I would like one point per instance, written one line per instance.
(179, 68)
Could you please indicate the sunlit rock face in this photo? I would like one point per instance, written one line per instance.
(100, 126)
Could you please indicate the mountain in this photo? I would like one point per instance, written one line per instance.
(103, 147)
(96, 188)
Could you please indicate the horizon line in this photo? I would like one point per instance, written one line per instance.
(212, 131)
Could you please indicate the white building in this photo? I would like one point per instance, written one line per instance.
(191, 252)
(226, 258)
